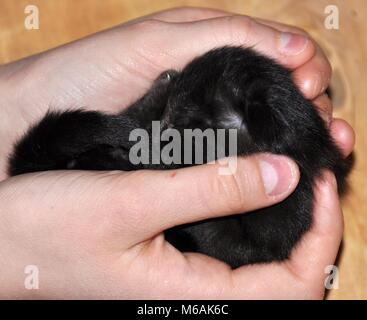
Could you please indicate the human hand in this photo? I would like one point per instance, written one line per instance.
(92, 235)
(96, 82)
(109, 70)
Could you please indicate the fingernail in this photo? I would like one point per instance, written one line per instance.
(292, 44)
(278, 174)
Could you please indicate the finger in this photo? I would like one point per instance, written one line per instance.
(164, 46)
(343, 135)
(319, 61)
(186, 14)
(324, 106)
(282, 26)
(313, 77)
(289, 50)
(319, 246)
(341, 131)
(177, 197)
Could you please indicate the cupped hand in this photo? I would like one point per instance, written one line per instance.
(91, 233)
(109, 70)
(99, 234)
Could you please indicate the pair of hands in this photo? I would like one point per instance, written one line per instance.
(99, 234)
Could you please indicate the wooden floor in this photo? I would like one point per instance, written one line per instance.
(66, 20)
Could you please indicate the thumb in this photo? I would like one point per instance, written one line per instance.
(144, 203)
(163, 199)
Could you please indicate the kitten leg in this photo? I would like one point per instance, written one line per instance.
(59, 139)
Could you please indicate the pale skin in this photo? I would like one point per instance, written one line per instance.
(99, 234)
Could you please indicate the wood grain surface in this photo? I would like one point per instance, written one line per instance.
(62, 21)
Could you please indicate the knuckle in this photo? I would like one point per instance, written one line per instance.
(148, 25)
(235, 189)
(239, 27)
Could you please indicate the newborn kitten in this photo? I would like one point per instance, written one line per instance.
(226, 88)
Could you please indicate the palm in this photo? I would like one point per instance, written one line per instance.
(212, 279)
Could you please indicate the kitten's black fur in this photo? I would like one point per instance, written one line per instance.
(228, 87)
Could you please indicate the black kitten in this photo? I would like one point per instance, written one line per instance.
(226, 88)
